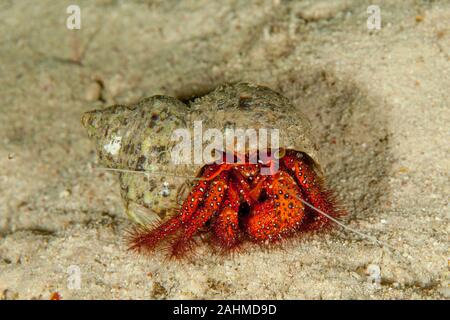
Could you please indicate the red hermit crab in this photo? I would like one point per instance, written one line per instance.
(257, 190)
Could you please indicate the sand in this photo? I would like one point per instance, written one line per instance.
(378, 101)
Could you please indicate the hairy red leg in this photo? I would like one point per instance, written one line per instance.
(239, 173)
(144, 238)
(313, 189)
(226, 224)
(148, 237)
(212, 203)
(280, 214)
(243, 188)
(196, 196)
(248, 170)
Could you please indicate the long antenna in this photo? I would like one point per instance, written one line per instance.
(156, 173)
(363, 235)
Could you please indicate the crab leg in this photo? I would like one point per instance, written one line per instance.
(226, 225)
(314, 190)
(243, 188)
(211, 205)
(148, 237)
(197, 194)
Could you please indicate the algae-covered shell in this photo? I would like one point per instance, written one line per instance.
(137, 138)
(143, 137)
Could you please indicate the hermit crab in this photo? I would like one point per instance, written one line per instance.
(208, 166)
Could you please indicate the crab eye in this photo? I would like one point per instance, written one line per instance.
(280, 153)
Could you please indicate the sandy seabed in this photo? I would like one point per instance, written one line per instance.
(378, 101)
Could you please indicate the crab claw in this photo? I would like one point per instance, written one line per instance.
(226, 224)
(280, 214)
